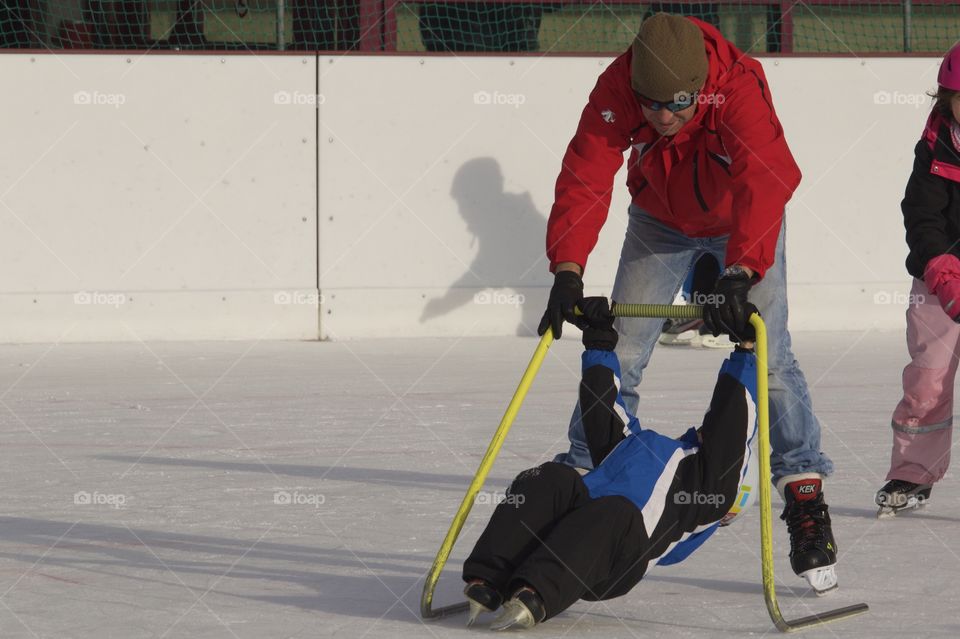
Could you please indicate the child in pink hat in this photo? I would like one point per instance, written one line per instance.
(923, 420)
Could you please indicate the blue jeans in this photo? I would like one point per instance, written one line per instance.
(654, 263)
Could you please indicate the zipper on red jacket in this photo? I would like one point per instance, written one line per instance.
(696, 183)
(719, 160)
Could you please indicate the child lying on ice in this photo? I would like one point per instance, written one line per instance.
(649, 499)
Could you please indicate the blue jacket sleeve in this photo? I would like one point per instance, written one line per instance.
(605, 418)
(743, 368)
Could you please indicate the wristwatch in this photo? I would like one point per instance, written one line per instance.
(735, 271)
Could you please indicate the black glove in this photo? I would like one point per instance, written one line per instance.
(726, 308)
(596, 322)
(566, 293)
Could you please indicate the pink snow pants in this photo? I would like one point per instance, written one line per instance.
(923, 420)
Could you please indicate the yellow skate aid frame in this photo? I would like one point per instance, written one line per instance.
(664, 311)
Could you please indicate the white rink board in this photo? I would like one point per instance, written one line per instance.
(197, 197)
(398, 230)
(852, 125)
(176, 181)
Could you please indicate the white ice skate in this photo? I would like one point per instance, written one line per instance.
(706, 340)
(680, 332)
(685, 338)
(822, 580)
(691, 333)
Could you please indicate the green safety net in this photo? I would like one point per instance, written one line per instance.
(802, 26)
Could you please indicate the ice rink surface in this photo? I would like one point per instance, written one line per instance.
(284, 489)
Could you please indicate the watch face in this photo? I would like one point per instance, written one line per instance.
(734, 270)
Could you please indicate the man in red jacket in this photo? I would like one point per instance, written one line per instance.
(709, 172)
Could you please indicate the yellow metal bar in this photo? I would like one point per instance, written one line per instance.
(766, 508)
(763, 448)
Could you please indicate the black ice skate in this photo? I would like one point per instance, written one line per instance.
(813, 552)
(524, 610)
(482, 598)
(899, 494)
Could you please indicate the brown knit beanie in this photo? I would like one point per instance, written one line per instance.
(669, 58)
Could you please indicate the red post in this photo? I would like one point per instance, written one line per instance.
(786, 26)
(371, 25)
(390, 25)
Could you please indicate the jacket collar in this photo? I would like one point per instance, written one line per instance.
(946, 159)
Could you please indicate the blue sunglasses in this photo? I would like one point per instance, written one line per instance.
(672, 107)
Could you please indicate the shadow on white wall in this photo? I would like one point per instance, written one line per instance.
(510, 268)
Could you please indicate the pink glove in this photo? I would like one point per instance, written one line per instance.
(942, 277)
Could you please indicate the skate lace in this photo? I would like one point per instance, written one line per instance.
(806, 523)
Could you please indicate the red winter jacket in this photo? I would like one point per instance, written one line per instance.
(728, 170)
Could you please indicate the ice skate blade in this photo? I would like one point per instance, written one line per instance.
(822, 580)
(709, 341)
(475, 611)
(678, 339)
(889, 512)
(515, 616)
